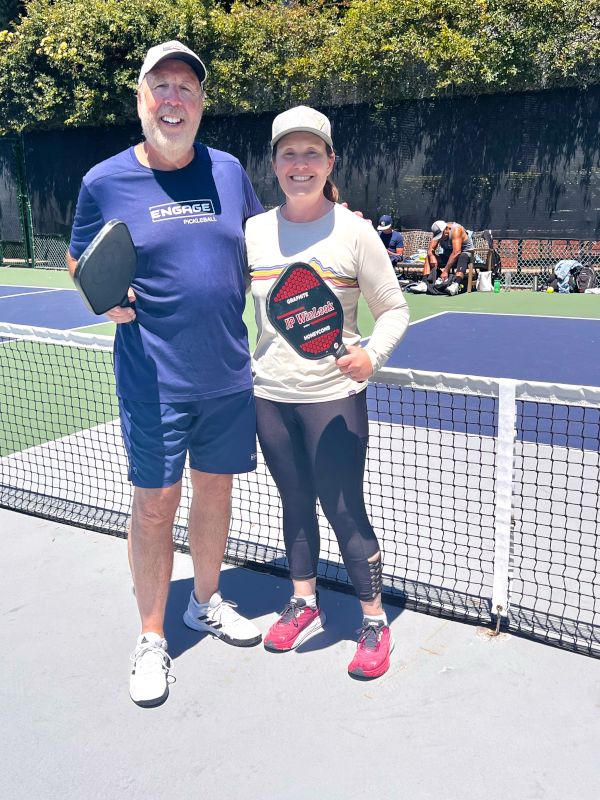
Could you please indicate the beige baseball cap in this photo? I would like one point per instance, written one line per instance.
(174, 50)
(301, 119)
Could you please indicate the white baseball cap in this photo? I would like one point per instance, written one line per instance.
(438, 228)
(301, 119)
(172, 50)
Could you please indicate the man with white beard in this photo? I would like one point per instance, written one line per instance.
(182, 364)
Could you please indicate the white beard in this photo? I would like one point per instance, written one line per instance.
(169, 149)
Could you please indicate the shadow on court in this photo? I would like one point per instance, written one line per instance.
(259, 595)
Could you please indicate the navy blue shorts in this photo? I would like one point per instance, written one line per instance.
(219, 434)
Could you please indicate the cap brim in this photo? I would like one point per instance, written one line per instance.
(320, 134)
(192, 62)
(384, 227)
(195, 64)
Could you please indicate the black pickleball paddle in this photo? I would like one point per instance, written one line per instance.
(106, 268)
(304, 310)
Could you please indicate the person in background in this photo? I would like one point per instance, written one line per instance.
(393, 240)
(448, 256)
(312, 415)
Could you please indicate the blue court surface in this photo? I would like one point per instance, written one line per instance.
(61, 309)
(547, 349)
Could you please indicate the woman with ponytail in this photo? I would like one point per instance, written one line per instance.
(312, 415)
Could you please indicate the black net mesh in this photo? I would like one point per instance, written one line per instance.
(431, 487)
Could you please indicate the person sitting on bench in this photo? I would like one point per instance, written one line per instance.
(448, 255)
(392, 239)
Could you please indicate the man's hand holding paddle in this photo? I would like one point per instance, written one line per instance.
(121, 315)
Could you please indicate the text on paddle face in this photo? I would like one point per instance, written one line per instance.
(306, 316)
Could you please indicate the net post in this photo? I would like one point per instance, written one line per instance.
(507, 413)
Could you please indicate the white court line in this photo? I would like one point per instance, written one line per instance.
(365, 339)
(432, 316)
(504, 314)
(29, 294)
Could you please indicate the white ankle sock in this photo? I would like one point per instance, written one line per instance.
(376, 618)
(309, 599)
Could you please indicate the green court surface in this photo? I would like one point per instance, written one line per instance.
(56, 374)
(512, 302)
(76, 384)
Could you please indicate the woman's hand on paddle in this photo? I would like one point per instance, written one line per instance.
(356, 364)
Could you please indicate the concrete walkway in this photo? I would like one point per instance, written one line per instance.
(459, 716)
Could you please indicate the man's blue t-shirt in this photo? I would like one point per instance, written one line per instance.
(188, 340)
(392, 240)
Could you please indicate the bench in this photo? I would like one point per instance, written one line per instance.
(524, 261)
(481, 256)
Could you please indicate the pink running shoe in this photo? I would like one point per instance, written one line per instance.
(297, 624)
(372, 658)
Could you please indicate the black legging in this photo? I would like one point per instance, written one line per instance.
(318, 450)
(461, 265)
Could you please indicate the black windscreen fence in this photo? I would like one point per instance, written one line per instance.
(525, 165)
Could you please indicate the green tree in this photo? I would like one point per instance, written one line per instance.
(75, 62)
(268, 55)
(414, 48)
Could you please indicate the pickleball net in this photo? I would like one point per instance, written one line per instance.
(484, 493)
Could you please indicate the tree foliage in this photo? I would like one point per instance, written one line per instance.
(75, 62)
(9, 10)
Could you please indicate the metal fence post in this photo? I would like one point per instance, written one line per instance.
(24, 203)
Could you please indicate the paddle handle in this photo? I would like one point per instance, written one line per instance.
(341, 351)
(126, 302)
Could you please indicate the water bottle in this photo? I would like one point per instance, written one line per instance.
(497, 286)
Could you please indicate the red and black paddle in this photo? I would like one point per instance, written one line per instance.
(305, 311)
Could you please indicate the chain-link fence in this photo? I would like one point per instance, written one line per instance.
(50, 251)
(525, 263)
(529, 263)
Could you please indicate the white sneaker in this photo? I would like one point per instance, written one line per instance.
(420, 288)
(222, 620)
(149, 680)
(453, 289)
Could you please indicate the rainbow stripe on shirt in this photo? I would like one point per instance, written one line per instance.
(329, 275)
